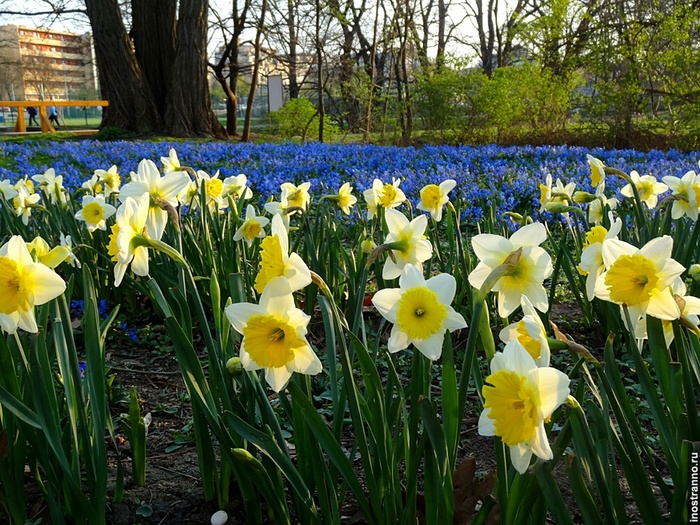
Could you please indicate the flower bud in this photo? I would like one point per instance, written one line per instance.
(234, 366)
(367, 245)
(694, 272)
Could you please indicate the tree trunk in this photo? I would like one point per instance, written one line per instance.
(131, 104)
(153, 34)
(188, 104)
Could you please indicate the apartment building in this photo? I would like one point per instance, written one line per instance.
(41, 64)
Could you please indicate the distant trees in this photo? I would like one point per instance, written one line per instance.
(622, 68)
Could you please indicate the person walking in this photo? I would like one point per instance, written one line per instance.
(53, 116)
(32, 115)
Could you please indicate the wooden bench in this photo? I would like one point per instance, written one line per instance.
(46, 127)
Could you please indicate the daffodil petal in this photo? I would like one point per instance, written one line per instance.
(539, 444)
(553, 387)
(491, 249)
(239, 313)
(486, 424)
(398, 340)
(530, 235)
(431, 347)
(520, 456)
(306, 361)
(277, 377)
(395, 220)
(662, 305)
(47, 284)
(277, 297)
(297, 272)
(386, 302)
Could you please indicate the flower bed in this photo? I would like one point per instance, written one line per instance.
(337, 311)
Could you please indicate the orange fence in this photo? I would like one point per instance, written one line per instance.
(46, 126)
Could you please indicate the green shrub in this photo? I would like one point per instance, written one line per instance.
(299, 118)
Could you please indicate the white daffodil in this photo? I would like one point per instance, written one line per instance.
(274, 335)
(296, 196)
(434, 197)
(592, 255)
(420, 311)
(213, 190)
(43, 253)
(171, 163)
(640, 278)
(534, 266)
(686, 192)
(236, 186)
(345, 199)
(597, 170)
(648, 188)
(689, 306)
(7, 190)
(293, 199)
(24, 202)
(530, 333)
(67, 244)
(406, 241)
(555, 196)
(382, 193)
(111, 181)
(93, 185)
(161, 190)
(596, 208)
(253, 226)
(519, 397)
(125, 241)
(52, 185)
(24, 284)
(276, 261)
(95, 212)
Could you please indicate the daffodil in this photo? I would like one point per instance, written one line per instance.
(67, 244)
(420, 311)
(253, 226)
(236, 186)
(533, 267)
(95, 212)
(385, 194)
(52, 185)
(274, 335)
(597, 170)
(519, 397)
(276, 261)
(43, 253)
(345, 199)
(127, 245)
(648, 188)
(592, 255)
(689, 307)
(24, 284)
(686, 192)
(93, 185)
(161, 190)
(23, 203)
(529, 332)
(552, 197)
(171, 163)
(213, 190)
(7, 190)
(111, 181)
(640, 278)
(293, 199)
(406, 241)
(434, 197)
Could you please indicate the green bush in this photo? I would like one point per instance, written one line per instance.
(299, 118)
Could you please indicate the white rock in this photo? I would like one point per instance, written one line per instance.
(219, 517)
